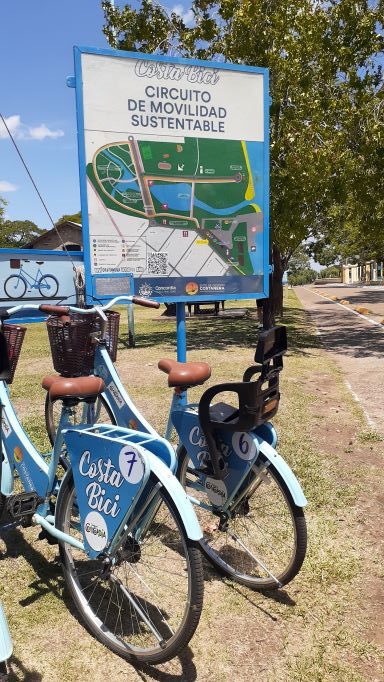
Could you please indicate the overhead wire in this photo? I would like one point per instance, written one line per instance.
(37, 190)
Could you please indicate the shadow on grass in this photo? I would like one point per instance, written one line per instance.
(18, 671)
(184, 662)
(50, 580)
(221, 333)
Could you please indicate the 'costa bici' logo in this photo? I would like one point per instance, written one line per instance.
(175, 72)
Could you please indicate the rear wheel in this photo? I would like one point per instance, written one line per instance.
(98, 412)
(262, 543)
(48, 286)
(146, 604)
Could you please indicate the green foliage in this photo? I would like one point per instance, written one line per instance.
(17, 233)
(300, 271)
(3, 204)
(327, 108)
(299, 260)
(73, 218)
(332, 271)
(305, 276)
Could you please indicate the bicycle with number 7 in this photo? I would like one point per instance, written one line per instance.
(248, 500)
(127, 534)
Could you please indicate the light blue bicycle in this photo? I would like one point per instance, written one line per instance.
(248, 500)
(128, 534)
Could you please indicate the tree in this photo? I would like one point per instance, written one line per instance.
(300, 271)
(17, 233)
(73, 218)
(323, 69)
(299, 260)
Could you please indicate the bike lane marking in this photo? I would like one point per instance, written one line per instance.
(357, 349)
(345, 307)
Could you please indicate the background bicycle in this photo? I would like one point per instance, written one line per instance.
(251, 511)
(15, 286)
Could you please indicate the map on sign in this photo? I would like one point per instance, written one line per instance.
(190, 190)
(173, 175)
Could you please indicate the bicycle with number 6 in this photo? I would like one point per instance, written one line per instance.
(128, 536)
(248, 500)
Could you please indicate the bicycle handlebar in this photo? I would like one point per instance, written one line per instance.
(54, 309)
(145, 302)
(65, 310)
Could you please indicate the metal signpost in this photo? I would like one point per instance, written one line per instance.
(174, 177)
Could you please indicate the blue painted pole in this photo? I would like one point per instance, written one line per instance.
(181, 333)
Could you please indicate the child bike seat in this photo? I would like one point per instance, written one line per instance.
(79, 387)
(184, 374)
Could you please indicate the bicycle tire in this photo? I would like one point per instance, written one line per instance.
(48, 290)
(189, 580)
(15, 295)
(53, 411)
(283, 556)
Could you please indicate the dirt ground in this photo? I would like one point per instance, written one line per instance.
(326, 626)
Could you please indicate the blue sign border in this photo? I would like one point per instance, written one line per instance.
(77, 83)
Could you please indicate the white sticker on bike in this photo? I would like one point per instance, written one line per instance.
(5, 425)
(244, 445)
(216, 491)
(114, 391)
(131, 464)
(96, 531)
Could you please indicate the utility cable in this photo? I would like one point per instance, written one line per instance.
(38, 193)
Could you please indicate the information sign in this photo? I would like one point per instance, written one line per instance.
(174, 174)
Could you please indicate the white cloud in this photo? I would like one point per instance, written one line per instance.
(185, 14)
(42, 131)
(13, 123)
(6, 186)
(21, 131)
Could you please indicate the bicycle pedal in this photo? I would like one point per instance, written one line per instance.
(23, 504)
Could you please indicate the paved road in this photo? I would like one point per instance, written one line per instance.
(356, 344)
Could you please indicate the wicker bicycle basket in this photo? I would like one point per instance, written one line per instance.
(73, 344)
(112, 335)
(14, 335)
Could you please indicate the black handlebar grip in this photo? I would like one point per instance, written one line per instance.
(54, 309)
(146, 302)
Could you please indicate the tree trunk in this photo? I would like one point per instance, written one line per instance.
(273, 306)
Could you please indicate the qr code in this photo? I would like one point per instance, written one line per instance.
(157, 263)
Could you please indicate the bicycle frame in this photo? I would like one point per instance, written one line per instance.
(185, 419)
(33, 282)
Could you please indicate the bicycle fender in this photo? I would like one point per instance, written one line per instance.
(6, 646)
(285, 472)
(179, 496)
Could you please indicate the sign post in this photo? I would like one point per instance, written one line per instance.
(174, 176)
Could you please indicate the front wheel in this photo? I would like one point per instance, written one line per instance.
(15, 286)
(48, 286)
(263, 541)
(146, 605)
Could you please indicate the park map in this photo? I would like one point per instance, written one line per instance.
(194, 193)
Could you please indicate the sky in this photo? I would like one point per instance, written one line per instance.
(36, 57)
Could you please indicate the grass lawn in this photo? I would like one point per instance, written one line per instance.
(325, 625)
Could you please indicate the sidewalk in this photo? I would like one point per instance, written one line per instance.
(357, 346)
